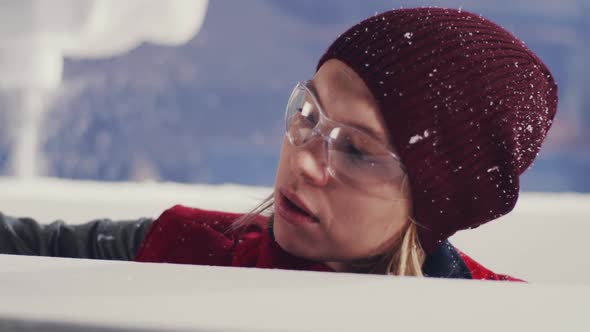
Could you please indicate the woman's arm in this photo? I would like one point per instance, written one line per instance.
(97, 239)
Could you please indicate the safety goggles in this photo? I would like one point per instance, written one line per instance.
(351, 154)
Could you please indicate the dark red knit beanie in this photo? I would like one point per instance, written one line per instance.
(467, 106)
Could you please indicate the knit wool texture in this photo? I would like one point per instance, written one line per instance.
(467, 106)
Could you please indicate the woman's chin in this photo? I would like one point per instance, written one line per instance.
(292, 241)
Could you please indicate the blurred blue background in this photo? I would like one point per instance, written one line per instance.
(210, 111)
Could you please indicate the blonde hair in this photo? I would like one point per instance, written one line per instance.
(405, 258)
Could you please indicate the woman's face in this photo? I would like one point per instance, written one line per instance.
(352, 221)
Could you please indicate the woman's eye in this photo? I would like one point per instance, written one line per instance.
(353, 151)
(307, 115)
(357, 154)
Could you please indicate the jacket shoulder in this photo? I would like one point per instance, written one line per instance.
(218, 220)
(480, 272)
(186, 235)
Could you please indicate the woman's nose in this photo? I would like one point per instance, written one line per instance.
(309, 161)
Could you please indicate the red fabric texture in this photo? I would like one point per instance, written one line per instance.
(184, 235)
(481, 273)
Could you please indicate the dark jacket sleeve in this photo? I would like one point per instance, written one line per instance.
(98, 239)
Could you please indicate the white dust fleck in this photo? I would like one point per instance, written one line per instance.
(495, 168)
(417, 138)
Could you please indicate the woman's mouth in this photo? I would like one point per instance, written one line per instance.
(292, 212)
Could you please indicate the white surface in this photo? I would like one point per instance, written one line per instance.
(199, 298)
(545, 239)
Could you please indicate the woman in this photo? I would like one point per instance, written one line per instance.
(416, 124)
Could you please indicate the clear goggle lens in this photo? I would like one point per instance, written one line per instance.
(352, 154)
